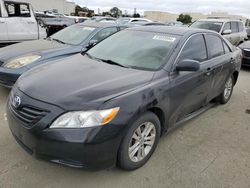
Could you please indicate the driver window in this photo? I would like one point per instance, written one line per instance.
(195, 49)
(17, 10)
(101, 35)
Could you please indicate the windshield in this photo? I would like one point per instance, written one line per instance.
(214, 26)
(73, 35)
(135, 49)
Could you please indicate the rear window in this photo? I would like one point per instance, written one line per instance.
(214, 45)
(214, 26)
(241, 27)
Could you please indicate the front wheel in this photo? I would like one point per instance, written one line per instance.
(228, 91)
(140, 142)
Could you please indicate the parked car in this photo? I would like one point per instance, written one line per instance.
(245, 47)
(102, 19)
(125, 20)
(248, 32)
(19, 58)
(18, 23)
(111, 105)
(133, 24)
(232, 30)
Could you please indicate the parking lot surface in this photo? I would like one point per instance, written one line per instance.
(212, 150)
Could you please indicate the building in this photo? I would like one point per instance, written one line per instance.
(170, 17)
(60, 6)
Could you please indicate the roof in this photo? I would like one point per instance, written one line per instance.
(98, 24)
(219, 20)
(170, 30)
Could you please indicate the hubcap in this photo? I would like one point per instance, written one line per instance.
(142, 142)
(228, 88)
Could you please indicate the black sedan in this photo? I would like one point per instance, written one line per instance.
(245, 47)
(111, 105)
(19, 58)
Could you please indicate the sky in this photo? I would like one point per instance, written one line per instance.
(238, 7)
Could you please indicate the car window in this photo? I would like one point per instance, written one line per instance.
(226, 48)
(234, 27)
(0, 11)
(241, 27)
(104, 33)
(195, 49)
(17, 9)
(227, 26)
(214, 46)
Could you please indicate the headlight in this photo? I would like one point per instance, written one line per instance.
(21, 61)
(83, 119)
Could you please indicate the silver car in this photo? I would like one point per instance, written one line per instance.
(232, 30)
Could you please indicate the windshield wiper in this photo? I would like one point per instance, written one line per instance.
(57, 40)
(111, 62)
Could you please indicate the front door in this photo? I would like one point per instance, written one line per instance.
(189, 90)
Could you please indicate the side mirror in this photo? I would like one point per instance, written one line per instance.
(188, 65)
(227, 32)
(92, 43)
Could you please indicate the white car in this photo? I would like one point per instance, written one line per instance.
(232, 30)
(126, 20)
(18, 23)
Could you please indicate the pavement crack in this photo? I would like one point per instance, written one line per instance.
(214, 159)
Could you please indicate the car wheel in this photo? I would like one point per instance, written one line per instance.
(228, 91)
(140, 142)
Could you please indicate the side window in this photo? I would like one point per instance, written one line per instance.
(241, 27)
(234, 27)
(195, 49)
(227, 26)
(214, 45)
(17, 10)
(101, 35)
(226, 48)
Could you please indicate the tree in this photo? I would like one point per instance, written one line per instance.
(115, 12)
(185, 18)
(136, 15)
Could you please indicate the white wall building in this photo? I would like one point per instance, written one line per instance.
(62, 6)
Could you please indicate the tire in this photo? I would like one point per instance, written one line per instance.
(132, 138)
(225, 96)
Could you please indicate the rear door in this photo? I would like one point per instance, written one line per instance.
(21, 23)
(221, 59)
(189, 90)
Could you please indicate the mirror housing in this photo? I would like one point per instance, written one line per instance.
(227, 32)
(188, 65)
(92, 43)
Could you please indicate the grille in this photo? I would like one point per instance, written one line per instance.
(28, 115)
(246, 52)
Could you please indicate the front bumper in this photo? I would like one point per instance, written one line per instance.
(88, 148)
(8, 77)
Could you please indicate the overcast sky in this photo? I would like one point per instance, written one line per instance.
(240, 7)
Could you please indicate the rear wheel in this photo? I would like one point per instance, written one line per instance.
(228, 91)
(140, 142)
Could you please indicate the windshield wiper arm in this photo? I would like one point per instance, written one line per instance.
(111, 62)
(57, 40)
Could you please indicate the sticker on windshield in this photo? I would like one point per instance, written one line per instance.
(164, 38)
(89, 28)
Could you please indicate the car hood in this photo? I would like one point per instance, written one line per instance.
(245, 45)
(41, 47)
(80, 83)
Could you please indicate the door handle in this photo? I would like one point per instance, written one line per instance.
(208, 71)
(31, 22)
(2, 22)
